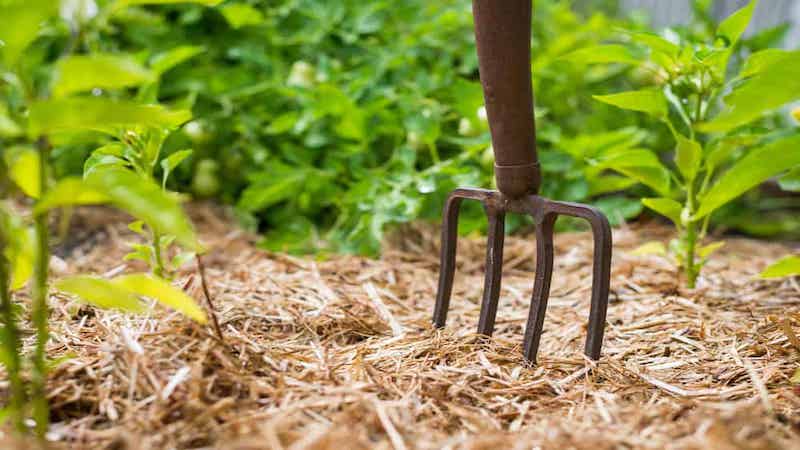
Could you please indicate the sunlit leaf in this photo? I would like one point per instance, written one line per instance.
(758, 166)
(650, 101)
(23, 169)
(732, 28)
(667, 207)
(171, 162)
(22, 20)
(795, 379)
(145, 200)
(706, 250)
(761, 61)
(240, 15)
(165, 61)
(70, 191)
(650, 248)
(99, 114)
(785, 267)
(654, 42)
(759, 94)
(110, 155)
(791, 181)
(688, 155)
(77, 73)
(21, 255)
(602, 54)
(163, 292)
(101, 292)
(654, 177)
(125, 3)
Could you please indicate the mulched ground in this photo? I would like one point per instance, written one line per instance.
(340, 353)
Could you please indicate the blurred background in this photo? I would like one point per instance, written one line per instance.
(326, 124)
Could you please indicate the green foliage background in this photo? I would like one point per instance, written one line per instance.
(327, 122)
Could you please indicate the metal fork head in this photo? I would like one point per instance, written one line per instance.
(544, 213)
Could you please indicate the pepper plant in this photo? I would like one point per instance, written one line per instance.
(46, 104)
(721, 147)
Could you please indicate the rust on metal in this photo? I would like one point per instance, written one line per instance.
(503, 35)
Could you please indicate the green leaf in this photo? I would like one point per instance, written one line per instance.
(667, 207)
(795, 379)
(145, 200)
(624, 157)
(283, 123)
(99, 114)
(78, 73)
(141, 252)
(22, 20)
(688, 155)
(23, 169)
(137, 226)
(761, 61)
(791, 181)
(276, 184)
(706, 250)
(655, 177)
(788, 266)
(21, 255)
(655, 42)
(618, 208)
(240, 15)
(732, 28)
(100, 292)
(171, 162)
(603, 184)
(650, 101)
(165, 61)
(110, 155)
(650, 248)
(721, 150)
(163, 292)
(755, 168)
(764, 92)
(70, 191)
(601, 54)
(8, 127)
(120, 4)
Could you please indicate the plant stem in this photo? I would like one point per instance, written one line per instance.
(41, 414)
(158, 270)
(12, 344)
(691, 244)
(202, 270)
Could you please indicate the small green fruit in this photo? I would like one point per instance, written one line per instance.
(205, 182)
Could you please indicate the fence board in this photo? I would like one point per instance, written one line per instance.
(769, 13)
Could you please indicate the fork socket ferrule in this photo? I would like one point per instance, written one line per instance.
(518, 180)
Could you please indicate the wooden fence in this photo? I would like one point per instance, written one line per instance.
(769, 13)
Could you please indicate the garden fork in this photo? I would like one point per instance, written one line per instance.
(503, 34)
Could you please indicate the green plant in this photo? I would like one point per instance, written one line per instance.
(326, 123)
(721, 150)
(788, 266)
(42, 103)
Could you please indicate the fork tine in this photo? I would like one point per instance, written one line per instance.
(447, 266)
(541, 287)
(494, 269)
(601, 278)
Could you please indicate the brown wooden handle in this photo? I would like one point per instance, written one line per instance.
(503, 35)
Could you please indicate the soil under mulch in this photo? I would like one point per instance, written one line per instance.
(340, 353)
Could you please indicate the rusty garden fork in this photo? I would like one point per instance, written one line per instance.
(503, 35)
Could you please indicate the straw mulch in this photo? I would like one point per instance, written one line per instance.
(340, 353)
